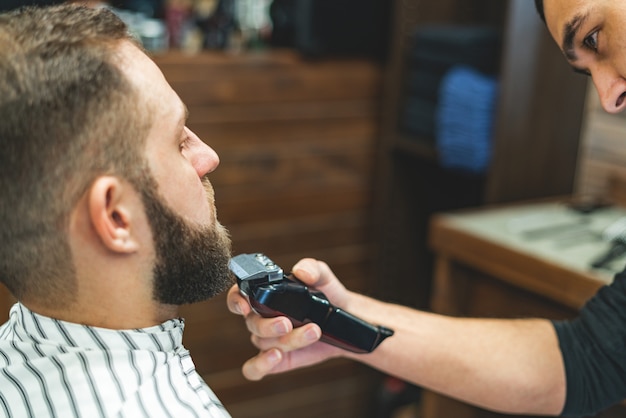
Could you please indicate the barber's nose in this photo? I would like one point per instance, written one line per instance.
(611, 88)
(202, 157)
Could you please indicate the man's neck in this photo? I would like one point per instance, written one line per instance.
(120, 314)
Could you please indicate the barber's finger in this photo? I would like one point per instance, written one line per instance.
(236, 303)
(307, 270)
(262, 364)
(295, 340)
(314, 273)
(268, 327)
(275, 361)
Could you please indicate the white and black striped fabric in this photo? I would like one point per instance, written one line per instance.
(51, 368)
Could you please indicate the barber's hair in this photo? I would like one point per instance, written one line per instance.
(539, 6)
(67, 115)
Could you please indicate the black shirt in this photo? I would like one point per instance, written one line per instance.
(594, 352)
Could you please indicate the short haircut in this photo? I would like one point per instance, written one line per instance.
(68, 115)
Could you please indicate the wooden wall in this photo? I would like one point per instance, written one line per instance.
(297, 145)
(601, 173)
(535, 140)
(540, 110)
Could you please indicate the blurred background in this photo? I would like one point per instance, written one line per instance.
(343, 128)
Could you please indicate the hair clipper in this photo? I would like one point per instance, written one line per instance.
(271, 293)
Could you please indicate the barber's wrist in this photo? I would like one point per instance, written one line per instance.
(358, 305)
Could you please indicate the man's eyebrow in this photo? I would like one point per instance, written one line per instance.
(182, 119)
(185, 115)
(186, 112)
(570, 30)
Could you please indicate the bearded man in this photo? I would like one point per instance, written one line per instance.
(109, 223)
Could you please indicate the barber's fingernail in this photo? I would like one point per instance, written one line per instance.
(281, 328)
(302, 269)
(274, 357)
(311, 334)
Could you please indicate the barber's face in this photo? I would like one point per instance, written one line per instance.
(592, 36)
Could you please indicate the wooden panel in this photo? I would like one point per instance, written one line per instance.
(232, 135)
(335, 389)
(6, 301)
(540, 108)
(279, 76)
(602, 161)
(297, 144)
(279, 160)
(278, 111)
(341, 163)
(305, 235)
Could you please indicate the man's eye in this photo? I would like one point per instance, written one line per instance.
(591, 41)
(184, 142)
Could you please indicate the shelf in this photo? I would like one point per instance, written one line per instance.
(417, 147)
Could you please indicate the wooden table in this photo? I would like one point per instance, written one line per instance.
(527, 260)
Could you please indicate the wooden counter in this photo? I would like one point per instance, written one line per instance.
(516, 261)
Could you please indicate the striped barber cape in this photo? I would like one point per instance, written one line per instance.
(51, 368)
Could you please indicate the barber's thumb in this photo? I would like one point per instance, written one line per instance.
(307, 271)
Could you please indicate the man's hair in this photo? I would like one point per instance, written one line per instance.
(67, 115)
(539, 6)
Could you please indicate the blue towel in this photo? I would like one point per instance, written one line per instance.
(464, 119)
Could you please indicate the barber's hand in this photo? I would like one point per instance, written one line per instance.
(282, 347)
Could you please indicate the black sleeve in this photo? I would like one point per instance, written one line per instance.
(594, 352)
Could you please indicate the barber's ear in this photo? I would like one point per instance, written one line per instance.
(110, 210)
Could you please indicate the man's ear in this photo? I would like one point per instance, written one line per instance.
(111, 204)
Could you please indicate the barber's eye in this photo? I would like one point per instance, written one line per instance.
(591, 41)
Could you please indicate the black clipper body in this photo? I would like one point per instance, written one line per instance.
(272, 293)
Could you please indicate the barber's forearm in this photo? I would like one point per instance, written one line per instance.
(505, 365)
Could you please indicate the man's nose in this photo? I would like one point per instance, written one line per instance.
(208, 162)
(202, 157)
(611, 88)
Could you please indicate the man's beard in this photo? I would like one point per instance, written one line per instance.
(191, 261)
